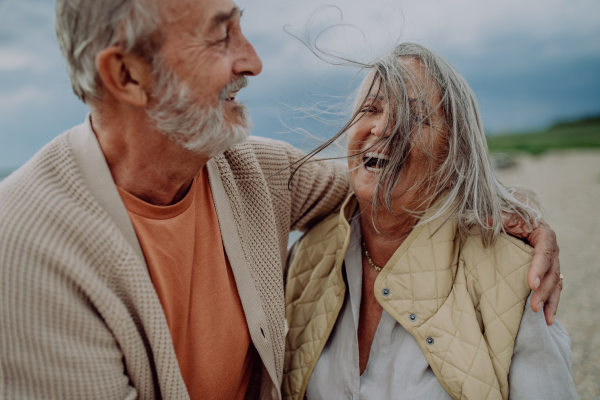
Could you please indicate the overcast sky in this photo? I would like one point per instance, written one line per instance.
(530, 62)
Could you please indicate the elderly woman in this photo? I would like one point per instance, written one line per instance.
(413, 290)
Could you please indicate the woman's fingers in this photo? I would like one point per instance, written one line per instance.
(544, 273)
(552, 304)
(513, 225)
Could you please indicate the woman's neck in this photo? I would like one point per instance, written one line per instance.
(388, 234)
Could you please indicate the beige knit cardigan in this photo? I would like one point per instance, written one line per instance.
(79, 316)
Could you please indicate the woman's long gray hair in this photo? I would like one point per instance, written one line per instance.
(474, 196)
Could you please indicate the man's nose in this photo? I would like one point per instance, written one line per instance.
(249, 63)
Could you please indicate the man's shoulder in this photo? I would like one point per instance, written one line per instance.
(47, 196)
(268, 143)
(39, 172)
(262, 147)
(260, 155)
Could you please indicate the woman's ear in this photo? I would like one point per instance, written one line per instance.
(126, 76)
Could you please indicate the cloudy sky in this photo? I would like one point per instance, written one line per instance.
(530, 62)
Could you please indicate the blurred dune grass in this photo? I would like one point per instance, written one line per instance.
(580, 134)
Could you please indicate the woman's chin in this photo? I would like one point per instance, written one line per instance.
(363, 181)
(364, 194)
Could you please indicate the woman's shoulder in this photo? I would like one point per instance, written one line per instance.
(322, 232)
(505, 255)
(321, 241)
(496, 277)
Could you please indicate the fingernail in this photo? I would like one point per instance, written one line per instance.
(536, 283)
(540, 306)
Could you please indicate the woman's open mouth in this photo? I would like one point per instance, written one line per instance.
(375, 162)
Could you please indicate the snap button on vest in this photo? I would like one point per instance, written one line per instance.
(307, 358)
(429, 341)
(385, 292)
(413, 317)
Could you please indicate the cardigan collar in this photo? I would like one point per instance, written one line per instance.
(98, 178)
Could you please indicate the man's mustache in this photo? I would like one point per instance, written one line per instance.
(233, 86)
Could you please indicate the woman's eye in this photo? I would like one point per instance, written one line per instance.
(369, 109)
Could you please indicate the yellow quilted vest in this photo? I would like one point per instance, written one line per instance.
(462, 302)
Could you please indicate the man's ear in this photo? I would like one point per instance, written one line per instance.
(125, 76)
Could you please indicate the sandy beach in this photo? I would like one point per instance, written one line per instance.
(568, 183)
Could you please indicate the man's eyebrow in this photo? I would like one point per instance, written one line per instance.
(224, 17)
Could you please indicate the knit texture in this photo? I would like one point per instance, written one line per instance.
(79, 316)
(265, 239)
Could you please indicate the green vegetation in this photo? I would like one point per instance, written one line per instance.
(584, 133)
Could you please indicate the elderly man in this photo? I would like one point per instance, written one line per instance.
(141, 252)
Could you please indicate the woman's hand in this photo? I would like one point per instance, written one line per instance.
(544, 273)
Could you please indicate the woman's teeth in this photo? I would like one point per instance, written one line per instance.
(375, 162)
(231, 95)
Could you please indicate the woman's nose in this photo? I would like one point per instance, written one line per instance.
(379, 126)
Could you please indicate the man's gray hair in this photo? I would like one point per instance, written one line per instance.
(472, 193)
(84, 28)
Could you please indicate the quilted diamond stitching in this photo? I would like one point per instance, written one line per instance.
(458, 325)
(468, 375)
(460, 309)
(315, 253)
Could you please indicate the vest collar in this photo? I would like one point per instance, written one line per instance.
(429, 253)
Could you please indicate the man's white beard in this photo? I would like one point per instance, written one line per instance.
(184, 121)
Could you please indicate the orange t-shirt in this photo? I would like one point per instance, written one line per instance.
(195, 284)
